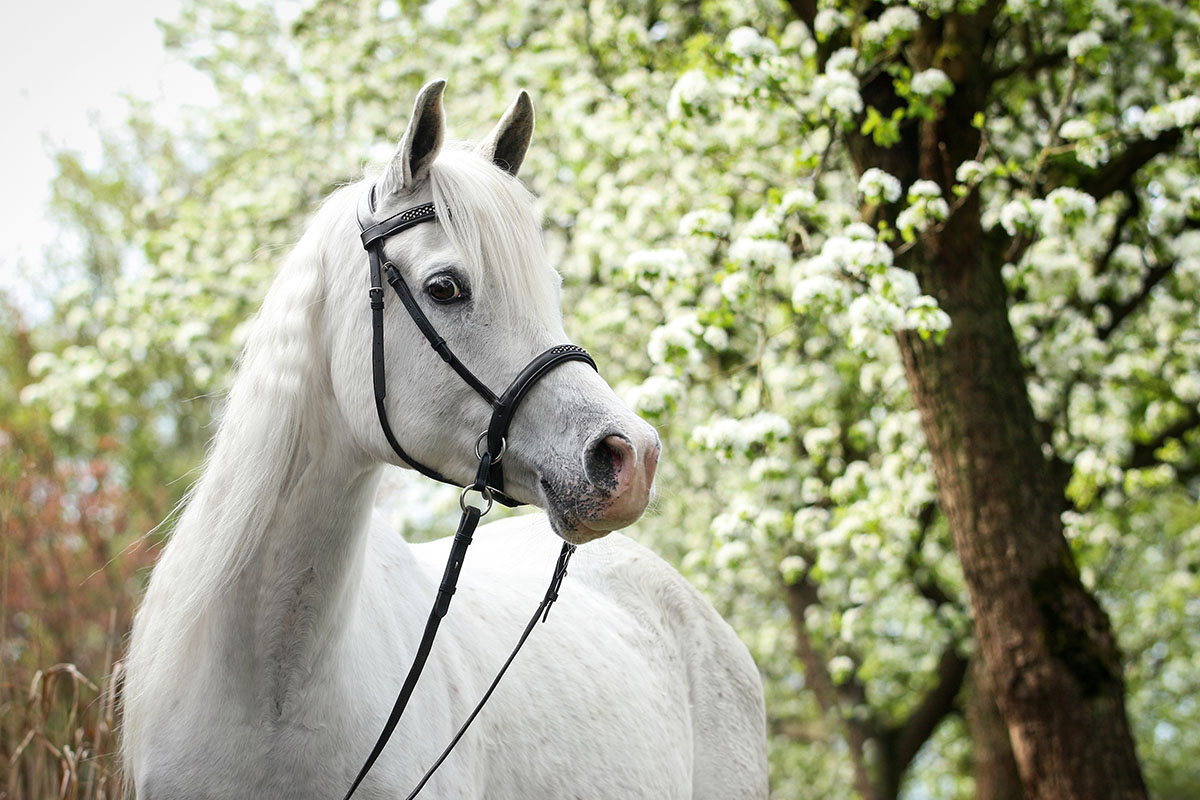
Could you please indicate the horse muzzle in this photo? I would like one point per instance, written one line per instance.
(612, 489)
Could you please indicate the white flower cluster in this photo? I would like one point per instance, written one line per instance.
(1090, 150)
(745, 42)
(655, 395)
(651, 269)
(930, 82)
(1074, 129)
(869, 315)
(1066, 208)
(970, 172)
(1022, 215)
(843, 255)
(926, 206)
(798, 201)
(829, 21)
(877, 186)
(692, 92)
(675, 338)
(924, 316)
(765, 255)
(706, 221)
(735, 285)
(730, 436)
(896, 24)
(837, 89)
(1083, 43)
(815, 290)
(1182, 113)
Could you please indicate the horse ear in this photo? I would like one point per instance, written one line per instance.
(508, 141)
(420, 144)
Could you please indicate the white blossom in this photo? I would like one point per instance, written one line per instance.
(1065, 207)
(923, 189)
(842, 60)
(878, 186)
(1074, 129)
(926, 207)
(735, 286)
(1185, 111)
(1021, 214)
(710, 221)
(676, 335)
(816, 288)
(838, 89)
(716, 338)
(691, 91)
(841, 254)
(1082, 43)
(798, 200)
(763, 254)
(923, 314)
(930, 82)
(898, 21)
(740, 436)
(829, 21)
(761, 226)
(745, 42)
(653, 395)
(970, 172)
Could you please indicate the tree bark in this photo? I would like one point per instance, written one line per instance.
(1047, 645)
(996, 776)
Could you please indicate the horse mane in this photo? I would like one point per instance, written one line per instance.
(489, 217)
(258, 452)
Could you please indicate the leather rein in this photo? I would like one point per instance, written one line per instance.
(489, 448)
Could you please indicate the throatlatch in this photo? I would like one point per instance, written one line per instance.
(489, 477)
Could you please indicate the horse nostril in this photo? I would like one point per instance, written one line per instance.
(606, 459)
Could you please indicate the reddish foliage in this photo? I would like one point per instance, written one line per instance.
(72, 551)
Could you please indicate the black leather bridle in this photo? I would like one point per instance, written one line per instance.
(489, 476)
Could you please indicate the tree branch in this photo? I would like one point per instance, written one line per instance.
(1120, 311)
(1130, 212)
(1143, 452)
(801, 596)
(1121, 170)
(1029, 66)
(908, 737)
(923, 578)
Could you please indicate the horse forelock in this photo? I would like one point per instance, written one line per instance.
(492, 221)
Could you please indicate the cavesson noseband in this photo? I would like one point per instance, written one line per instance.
(489, 477)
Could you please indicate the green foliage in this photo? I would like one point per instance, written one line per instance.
(737, 276)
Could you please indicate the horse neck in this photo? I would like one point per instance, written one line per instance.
(263, 569)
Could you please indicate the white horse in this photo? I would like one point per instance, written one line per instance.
(282, 616)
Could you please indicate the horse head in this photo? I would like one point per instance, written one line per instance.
(481, 276)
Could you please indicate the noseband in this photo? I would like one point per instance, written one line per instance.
(489, 476)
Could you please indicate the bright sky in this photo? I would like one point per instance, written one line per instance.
(64, 67)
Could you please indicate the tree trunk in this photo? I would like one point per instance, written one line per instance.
(996, 776)
(1046, 644)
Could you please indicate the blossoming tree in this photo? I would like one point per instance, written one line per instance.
(916, 282)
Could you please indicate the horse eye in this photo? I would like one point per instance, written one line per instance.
(444, 289)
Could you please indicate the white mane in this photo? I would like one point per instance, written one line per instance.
(489, 217)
